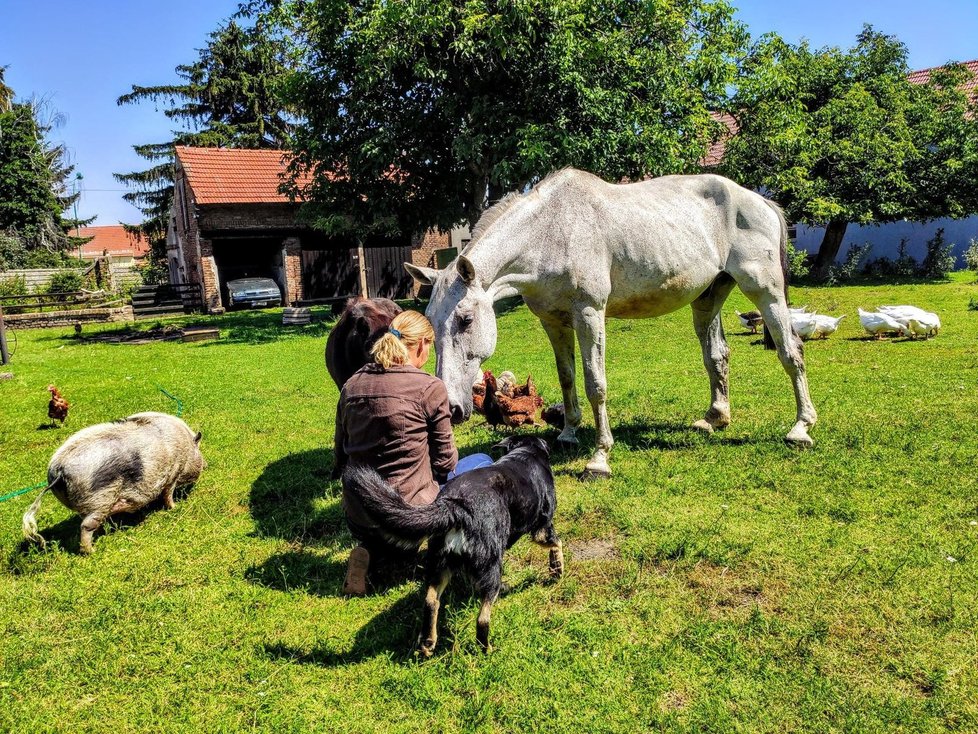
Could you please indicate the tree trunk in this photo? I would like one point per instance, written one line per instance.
(829, 249)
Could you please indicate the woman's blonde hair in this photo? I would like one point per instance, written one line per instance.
(411, 328)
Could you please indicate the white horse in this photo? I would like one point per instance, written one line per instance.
(578, 249)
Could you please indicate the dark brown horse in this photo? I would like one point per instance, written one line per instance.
(363, 322)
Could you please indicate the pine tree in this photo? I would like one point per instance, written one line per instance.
(225, 98)
(33, 186)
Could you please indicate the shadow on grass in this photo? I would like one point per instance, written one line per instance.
(393, 632)
(66, 535)
(284, 496)
(662, 435)
(313, 574)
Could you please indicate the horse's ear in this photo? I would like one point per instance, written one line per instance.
(466, 269)
(425, 276)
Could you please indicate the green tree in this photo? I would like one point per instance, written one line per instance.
(839, 136)
(225, 98)
(420, 113)
(33, 185)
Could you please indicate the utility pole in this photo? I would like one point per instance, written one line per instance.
(4, 354)
(75, 185)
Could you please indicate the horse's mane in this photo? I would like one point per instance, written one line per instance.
(492, 215)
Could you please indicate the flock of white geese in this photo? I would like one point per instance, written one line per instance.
(908, 321)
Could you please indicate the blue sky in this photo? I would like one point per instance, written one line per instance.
(88, 53)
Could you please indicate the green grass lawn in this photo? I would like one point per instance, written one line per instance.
(722, 583)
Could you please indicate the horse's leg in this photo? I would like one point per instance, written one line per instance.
(770, 301)
(716, 353)
(562, 340)
(589, 325)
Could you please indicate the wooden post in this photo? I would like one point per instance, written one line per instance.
(362, 257)
(4, 354)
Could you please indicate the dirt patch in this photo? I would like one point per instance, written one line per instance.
(593, 549)
(673, 701)
(722, 591)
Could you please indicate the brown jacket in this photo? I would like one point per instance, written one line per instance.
(398, 422)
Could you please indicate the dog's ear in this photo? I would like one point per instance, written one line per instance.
(544, 445)
(502, 448)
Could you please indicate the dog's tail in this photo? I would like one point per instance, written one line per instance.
(403, 524)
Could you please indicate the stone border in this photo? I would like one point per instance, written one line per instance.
(68, 318)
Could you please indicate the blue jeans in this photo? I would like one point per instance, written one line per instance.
(468, 463)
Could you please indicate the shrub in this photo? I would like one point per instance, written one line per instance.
(971, 255)
(904, 266)
(65, 281)
(850, 266)
(797, 262)
(939, 261)
(16, 286)
(972, 304)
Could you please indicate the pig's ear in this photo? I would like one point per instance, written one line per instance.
(198, 437)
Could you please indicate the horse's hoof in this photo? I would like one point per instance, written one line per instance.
(799, 438)
(703, 425)
(592, 473)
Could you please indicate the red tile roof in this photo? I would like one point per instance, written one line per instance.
(971, 86)
(115, 240)
(234, 175)
(715, 154)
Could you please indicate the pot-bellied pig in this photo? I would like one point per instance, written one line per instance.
(119, 467)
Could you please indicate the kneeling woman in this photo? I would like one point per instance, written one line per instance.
(395, 418)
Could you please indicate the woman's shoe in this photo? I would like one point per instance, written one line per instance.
(356, 572)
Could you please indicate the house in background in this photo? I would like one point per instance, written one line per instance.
(123, 247)
(229, 221)
(884, 238)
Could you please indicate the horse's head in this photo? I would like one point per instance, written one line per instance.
(461, 312)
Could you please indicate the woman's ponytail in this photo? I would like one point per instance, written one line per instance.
(389, 351)
(406, 330)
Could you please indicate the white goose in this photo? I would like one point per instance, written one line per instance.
(804, 325)
(918, 321)
(878, 324)
(825, 325)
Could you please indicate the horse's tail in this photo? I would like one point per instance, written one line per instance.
(783, 248)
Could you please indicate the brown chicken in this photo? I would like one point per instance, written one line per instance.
(57, 406)
(520, 410)
(478, 396)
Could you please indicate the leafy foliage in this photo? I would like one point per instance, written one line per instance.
(939, 260)
(225, 98)
(797, 262)
(851, 266)
(971, 255)
(65, 281)
(841, 136)
(431, 109)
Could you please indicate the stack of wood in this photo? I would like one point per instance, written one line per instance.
(502, 401)
(296, 316)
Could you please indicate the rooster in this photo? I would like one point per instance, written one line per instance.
(490, 404)
(57, 406)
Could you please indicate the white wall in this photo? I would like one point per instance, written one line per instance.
(885, 238)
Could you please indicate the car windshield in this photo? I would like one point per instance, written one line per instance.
(253, 284)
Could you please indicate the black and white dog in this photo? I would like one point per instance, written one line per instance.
(474, 519)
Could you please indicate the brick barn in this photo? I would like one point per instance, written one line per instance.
(229, 221)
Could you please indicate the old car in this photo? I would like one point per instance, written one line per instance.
(253, 293)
